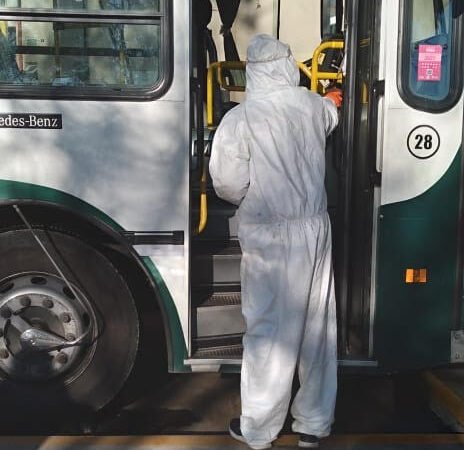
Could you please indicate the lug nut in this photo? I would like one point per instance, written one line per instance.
(70, 337)
(65, 318)
(25, 301)
(61, 358)
(48, 303)
(5, 312)
(4, 353)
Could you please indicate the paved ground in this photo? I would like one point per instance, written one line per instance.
(192, 411)
(204, 403)
(347, 442)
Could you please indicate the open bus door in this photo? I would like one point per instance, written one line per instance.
(397, 275)
(356, 179)
(418, 296)
(398, 254)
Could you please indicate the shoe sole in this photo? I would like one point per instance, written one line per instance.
(303, 444)
(242, 439)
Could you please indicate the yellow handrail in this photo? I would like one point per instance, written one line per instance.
(209, 94)
(216, 69)
(304, 68)
(315, 74)
(203, 202)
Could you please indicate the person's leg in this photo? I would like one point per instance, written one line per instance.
(314, 405)
(274, 280)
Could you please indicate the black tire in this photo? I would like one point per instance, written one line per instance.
(103, 367)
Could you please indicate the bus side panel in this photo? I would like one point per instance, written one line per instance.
(413, 320)
(159, 267)
(127, 159)
(177, 348)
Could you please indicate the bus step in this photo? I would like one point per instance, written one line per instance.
(212, 353)
(202, 246)
(221, 299)
(218, 226)
(202, 292)
(229, 352)
(221, 267)
(218, 315)
(222, 219)
(217, 342)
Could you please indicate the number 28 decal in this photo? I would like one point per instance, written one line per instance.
(423, 141)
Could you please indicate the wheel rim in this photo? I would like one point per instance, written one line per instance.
(44, 304)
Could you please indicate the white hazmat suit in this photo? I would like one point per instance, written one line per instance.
(268, 156)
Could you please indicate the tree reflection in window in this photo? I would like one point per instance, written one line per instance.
(97, 52)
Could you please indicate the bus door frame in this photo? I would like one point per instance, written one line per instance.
(348, 221)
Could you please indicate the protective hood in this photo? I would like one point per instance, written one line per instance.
(270, 66)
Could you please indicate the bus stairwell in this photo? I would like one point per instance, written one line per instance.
(217, 325)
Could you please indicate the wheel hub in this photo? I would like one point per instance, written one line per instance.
(39, 319)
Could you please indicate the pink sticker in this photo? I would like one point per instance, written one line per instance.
(429, 67)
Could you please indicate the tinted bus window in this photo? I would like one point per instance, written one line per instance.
(76, 54)
(87, 5)
(85, 48)
(430, 63)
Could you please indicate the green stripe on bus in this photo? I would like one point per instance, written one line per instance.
(413, 320)
(176, 337)
(16, 190)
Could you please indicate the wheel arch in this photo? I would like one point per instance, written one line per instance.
(59, 211)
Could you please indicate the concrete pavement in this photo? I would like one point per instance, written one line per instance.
(223, 442)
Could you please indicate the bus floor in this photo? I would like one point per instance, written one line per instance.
(192, 411)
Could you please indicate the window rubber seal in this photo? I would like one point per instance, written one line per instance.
(98, 93)
(456, 72)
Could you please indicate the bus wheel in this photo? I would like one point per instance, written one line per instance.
(62, 349)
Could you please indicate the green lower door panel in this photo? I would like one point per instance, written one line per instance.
(413, 320)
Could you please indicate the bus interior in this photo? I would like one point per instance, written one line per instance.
(217, 324)
(352, 174)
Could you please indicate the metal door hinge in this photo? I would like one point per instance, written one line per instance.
(457, 346)
(378, 88)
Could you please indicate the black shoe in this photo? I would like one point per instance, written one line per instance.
(236, 433)
(308, 441)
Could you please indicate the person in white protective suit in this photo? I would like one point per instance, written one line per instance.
(268, 156)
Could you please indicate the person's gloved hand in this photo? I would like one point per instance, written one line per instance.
(336, 95)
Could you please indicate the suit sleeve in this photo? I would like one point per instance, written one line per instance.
(330, 115)
(229, 161)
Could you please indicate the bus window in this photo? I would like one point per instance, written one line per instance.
(89, 5)
(430, 62)
(331, 18)
(106, 50)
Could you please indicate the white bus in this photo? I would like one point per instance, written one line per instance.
(103, 170)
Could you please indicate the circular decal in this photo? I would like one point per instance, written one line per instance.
(423, 141)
